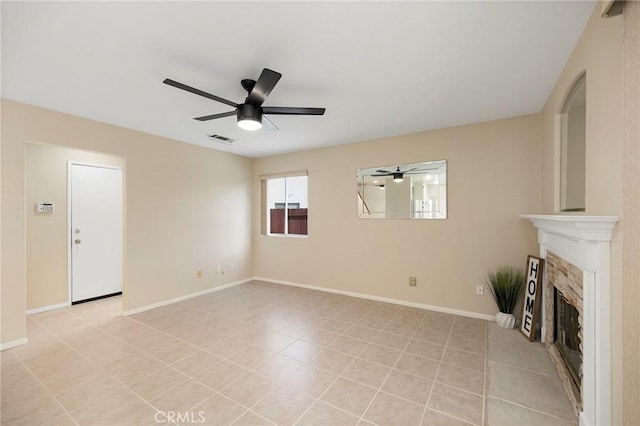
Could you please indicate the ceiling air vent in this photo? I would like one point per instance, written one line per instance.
(222, 139)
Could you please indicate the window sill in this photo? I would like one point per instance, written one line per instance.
(295, 236)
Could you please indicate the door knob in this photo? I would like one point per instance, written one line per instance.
(77, 241)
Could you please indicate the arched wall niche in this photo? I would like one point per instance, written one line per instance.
(572, 152)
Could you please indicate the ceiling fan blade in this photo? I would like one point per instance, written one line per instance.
(386, 174)
(417, 172)
(384, 171)
(292, 110)
(429, 167)
(214, 116)
(264, 85)
(198, 92)
(268, 124)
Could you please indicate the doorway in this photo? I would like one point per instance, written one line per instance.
(48, 248)
(95, 231)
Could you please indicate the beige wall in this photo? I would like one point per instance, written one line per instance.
(599, 52)
(448, 257)
(575, 161)
(187, 208)
(631, 212)
(13, 274)
(46, 180)
(397, 198)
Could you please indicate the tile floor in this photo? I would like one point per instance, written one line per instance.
(266, 354)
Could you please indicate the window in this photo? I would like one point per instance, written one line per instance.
(284, 204)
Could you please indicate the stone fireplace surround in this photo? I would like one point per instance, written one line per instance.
(584, 241)
(568, 279)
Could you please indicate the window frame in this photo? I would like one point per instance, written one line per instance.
(264, 207)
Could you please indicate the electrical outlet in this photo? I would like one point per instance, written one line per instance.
(412, 281)
(480, 289)
(231, 267)
(219, 269)
(198, 274)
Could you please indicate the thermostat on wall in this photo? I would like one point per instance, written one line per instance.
(45, 208)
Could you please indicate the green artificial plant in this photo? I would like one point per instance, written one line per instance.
(505, 286)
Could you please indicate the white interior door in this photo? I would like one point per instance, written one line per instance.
(96, 231)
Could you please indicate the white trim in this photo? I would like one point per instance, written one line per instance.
(589, 228)
(48, 308)
(69, 235)
(283, 175)
(188, 296)
(286, 235)
(13, 344)
(383, 299)
(585, 242)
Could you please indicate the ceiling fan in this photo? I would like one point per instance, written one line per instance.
(250, 113)
(398, 175)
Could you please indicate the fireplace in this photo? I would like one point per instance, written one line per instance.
(567, 336)
(562, 319)
(580, 247)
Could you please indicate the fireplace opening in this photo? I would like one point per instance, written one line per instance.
(567, 336)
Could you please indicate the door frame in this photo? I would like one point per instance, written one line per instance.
(70, 164)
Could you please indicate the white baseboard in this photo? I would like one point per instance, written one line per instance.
(47, 308)
(188, 296)
(13, 344)
(384, 299)
(313, 287)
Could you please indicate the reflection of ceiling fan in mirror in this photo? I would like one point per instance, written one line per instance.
(398, 174)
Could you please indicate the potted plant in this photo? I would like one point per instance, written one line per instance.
(505, 286)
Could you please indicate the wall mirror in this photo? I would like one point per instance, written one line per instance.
(403, 191)
(572, 149)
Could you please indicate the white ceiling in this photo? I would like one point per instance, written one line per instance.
(380, 68)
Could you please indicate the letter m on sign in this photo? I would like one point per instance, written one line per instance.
(529, 303)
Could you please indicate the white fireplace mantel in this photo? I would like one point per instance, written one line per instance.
(585, 242)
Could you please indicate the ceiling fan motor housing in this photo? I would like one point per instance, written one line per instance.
(249, 112)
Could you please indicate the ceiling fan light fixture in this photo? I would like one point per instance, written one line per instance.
(249, 124)
(397, 177)
(249, 117)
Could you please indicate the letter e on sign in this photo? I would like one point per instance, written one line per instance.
(531, 305)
